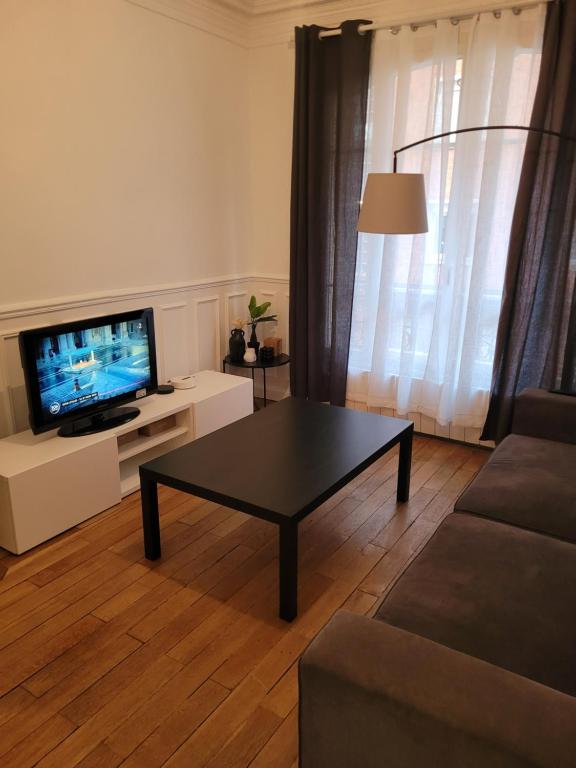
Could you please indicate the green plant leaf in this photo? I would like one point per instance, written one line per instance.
(259, 311)
(256, 310)
(266, 319)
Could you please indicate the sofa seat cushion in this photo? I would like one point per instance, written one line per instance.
(496, 592)
(528, 482)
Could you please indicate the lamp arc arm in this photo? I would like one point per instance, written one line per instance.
(543, 131)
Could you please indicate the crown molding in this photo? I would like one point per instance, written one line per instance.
(256, 23)
(259, 7)
(274, 20)
(227, 19)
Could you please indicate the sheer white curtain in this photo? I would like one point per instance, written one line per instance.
(426, 307)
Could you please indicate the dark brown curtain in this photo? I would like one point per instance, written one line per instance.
(536, 344)
(331, 93)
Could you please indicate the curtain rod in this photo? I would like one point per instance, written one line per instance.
(395, 28)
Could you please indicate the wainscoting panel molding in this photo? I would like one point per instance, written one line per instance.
(193, 322)
(208, 339)
(173, 321)
(236, 306)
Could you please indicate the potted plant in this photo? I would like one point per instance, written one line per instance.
(257, 315)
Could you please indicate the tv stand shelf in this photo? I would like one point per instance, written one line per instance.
(141, 444)
(49, 483)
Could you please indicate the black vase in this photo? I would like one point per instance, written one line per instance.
(237, 345)
(254, 339)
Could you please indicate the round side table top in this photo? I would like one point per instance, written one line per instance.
(274, 363)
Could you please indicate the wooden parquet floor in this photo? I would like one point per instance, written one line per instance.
(108, 660)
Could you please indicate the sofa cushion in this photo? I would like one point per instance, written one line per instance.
(496, 592)
(528, 482)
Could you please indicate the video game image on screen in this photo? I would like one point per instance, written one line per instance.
(88, 366)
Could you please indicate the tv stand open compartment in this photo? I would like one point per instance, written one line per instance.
(140, 442)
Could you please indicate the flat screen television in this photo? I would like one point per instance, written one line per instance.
(77, 374)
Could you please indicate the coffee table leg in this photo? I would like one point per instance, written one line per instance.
(150, 518)
(403, 492)
(288, 571)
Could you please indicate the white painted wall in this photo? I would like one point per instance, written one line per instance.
(271, 97)
(123, 158)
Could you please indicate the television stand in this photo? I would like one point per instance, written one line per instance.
(49, 484)
(98, 422)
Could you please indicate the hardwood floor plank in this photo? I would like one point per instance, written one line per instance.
(13, 703)
(68, 588)
(281, 750)
(85, 652)
(87, 736)
(39, 710)
(177, 727)
(217, 730)
(18, 569)
(243, 747)
(28, 658)
(43, 740)
(164, 702)
(167, 610)
(100, 757)
(283, 696)
(361, 603)
(15, 594)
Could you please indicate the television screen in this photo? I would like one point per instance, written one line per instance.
(91, 365)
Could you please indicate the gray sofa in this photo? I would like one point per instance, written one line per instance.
(471, 658)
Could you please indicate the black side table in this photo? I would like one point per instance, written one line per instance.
(276, 362)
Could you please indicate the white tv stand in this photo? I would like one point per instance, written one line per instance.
(50, 483)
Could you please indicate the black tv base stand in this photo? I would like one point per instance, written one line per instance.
(99, 422)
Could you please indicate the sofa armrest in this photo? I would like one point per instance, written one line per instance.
(539, 413)
(373, 695)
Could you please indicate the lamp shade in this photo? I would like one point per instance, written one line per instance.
(394, 204)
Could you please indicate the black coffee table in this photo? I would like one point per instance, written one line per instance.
(278, 464)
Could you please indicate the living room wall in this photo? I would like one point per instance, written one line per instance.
(123, 178)
(122, 149)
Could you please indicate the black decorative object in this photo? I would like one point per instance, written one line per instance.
(266, 354)
(237, 345)
(254, 339)
(257, 315)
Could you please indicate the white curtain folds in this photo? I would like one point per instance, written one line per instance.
(426, 307)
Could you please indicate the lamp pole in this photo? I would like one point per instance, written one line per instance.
(543, 131)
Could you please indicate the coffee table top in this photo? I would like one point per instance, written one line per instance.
(281, 462)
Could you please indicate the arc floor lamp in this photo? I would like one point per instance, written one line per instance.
(395, 203)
